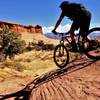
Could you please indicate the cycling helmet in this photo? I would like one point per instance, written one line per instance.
(64, 4)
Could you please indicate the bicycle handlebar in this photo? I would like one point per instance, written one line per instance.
(56, 33)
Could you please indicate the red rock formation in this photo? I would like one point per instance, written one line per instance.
(20, 28)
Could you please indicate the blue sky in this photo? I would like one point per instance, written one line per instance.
(42, 12)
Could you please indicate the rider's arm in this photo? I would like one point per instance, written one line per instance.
(58, 22)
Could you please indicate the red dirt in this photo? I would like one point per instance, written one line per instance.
(80, 80)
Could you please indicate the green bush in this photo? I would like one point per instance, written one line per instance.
(39, 46)
(48, 47)
(30, 46)
(11, 43)
(40, 43)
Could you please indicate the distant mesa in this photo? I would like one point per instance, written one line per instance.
(21, 28)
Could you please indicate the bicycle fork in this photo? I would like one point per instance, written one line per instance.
(61, 49)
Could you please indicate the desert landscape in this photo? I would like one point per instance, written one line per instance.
(33, 75)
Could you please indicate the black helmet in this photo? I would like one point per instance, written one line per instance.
(64, 4)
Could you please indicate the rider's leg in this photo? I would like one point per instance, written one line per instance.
(72, 35)
(85, 41)
(74, 26)
(84, 27)
(84, 36)
(73, 42)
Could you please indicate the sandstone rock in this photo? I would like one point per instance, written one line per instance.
(80, 83)
(21, 28)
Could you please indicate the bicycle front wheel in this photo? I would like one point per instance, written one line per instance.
(93, 51)
(61, 56)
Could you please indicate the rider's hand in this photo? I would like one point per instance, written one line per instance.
(54, 31)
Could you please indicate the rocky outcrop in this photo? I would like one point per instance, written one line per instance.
(20, 28)
(80, 80)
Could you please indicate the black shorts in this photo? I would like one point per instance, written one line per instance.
(83, 25)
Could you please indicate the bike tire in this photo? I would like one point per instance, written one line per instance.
(92, 54)
(61, 49)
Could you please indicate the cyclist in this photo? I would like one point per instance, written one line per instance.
(79, 15)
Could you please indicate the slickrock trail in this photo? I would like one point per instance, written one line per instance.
(80, 80)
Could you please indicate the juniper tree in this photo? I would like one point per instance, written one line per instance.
(11, 43)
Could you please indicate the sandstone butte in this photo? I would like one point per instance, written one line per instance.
(20, 28)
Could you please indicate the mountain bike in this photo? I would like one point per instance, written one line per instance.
(91, 49)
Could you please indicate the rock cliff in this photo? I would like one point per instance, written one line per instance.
(20, 28)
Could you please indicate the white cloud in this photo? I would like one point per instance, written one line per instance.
(47, 29)
(61, 28)
(65, 28)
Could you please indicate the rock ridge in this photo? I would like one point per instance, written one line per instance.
(20, 28)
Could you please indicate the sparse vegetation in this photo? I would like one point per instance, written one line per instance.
(13, 65)
(11, 43)
(27, 64)
(39, 46)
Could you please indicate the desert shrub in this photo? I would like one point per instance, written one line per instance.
(39, 46)
(14, 65)
(11, 43)
(35, 46)
(48, 47)
(30, 46)
(40, 43)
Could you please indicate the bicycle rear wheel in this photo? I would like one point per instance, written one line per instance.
(93, 51)
(61, 56)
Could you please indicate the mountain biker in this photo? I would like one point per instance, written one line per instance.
(79, 15)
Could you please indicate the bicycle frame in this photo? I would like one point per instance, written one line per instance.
(65, 38)
(62, 51)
